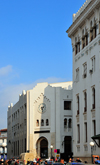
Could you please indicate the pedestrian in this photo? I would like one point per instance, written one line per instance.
(5, 162)
(1, 162)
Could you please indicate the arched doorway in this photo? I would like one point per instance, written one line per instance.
(42, 147)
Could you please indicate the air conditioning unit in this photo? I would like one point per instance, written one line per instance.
(91, 71)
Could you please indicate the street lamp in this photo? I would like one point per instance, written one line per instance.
(91, 144)
(51, 150)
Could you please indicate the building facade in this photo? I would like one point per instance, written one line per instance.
(3, 144)
(85, 36)
(42, 117)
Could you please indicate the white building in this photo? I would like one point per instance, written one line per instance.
(85, 36)
(42, 117)
(3, 144)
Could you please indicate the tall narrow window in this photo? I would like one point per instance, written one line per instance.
(85, 70)
(47, 122)
(85, 101)
(91, 31)
(77, 45)
(70, 123)
(94, 29)
(77, 74)
(86, 39)
(85, 127)
(65, 123)
(37, 123)
(42, 122)
(78, 133)
(94, 127)
(93, 98)
(77, 105)
(93, 64)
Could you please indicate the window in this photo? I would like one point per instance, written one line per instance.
(93, 29)
(16, 115)
(93, 64)
(70, 123)
(85, 101)
(42, 122)
(77, 47)
(37, 123)
(47, 122)
(78, 133)
(93, 98)
(84, 70)
(25, 108)
(85, 127)
(78, 105)
(83, 42)
(77, 74)
(65, 123)
(67, 105)
(84, 38)
(94, 127)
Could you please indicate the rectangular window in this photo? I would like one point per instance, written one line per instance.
(93, 64)
(67, 105)
(85, 101)
(84, 70)
(78, 133)
(77, 104)
(85, 127)
(77, 74)
(94, 127)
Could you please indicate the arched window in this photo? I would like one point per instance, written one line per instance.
(93, 98)
(42, 122)
(47, 122)
(85, 101)
(37, 123)
(70, 123)
(65, 123)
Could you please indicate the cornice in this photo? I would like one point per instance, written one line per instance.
(86, 14)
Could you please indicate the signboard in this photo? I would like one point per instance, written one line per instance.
(55, 151)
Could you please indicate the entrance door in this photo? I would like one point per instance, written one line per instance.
(67, 148)
(44, 148)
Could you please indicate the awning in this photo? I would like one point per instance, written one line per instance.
(96, 137)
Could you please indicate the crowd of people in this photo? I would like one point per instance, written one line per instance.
(37, 161)
(9, 161)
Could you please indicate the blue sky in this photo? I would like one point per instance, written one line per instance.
(34, 46)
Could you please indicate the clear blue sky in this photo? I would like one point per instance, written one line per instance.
(34, 46)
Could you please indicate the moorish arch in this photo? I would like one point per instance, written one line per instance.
(42, 147)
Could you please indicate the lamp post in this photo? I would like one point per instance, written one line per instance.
(91, 144)
(51, 150)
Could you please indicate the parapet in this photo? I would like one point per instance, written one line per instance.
(75, 16)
